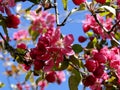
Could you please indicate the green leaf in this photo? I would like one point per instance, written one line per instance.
(63, 65)
(32, 78)
(38, 79)
(75, 61)
(2, 84)
(77, 48)
(110, 9)
(117, 35)
(82, 6)
(104, 13)
(94, 41)
(65, 4)
(74, 80)
(28, 75)
(34, 34)
(90, 33)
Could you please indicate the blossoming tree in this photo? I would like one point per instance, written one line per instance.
(43, 53)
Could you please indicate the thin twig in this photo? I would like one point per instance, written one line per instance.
(113, 27)
(64, 21)
(77, 68)
(56, 12)
(106, 31)
(95, 16)
(70, 13)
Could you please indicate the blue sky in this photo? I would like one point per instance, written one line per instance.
(73, 26)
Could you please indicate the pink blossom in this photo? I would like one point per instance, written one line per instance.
(48, 65)
(105, 76)
(107, 53)
(5, 4)
(94, 51)
(22, 46)
(97, 85)
(90, 21)
(19, 86)
(67, 41)
(20, 35)
(42, 84)
(12, 21)
(27, 87)
(60, 76)
(115, 63)
(51, 48)
(42, 21)
(26, 67)
(100, 58)
(118, 3)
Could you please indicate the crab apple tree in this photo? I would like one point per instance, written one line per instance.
(36, 42)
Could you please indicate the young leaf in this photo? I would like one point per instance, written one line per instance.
(2, 84)
(34, 34)
(90, 34)
(110, 9)
(28, 75)
(38, 79)
(82, 6)
(65, 4)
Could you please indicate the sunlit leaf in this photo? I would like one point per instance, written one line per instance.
(31, 78)
(2, 84)
(28, 75)
(89, 33)
(82, 6)
(111, 79)
(38, 80)
(34, 34)
(65, 4)
(110, 9)
(104, 13)
(117, 35)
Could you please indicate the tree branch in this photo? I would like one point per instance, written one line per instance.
(105, 30)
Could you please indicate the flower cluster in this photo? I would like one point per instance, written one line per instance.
(50, 50)
(20, 35)
(42, 21)
(91, 24)
(100, 64)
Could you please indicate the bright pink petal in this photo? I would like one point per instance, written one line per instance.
(68, 40)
